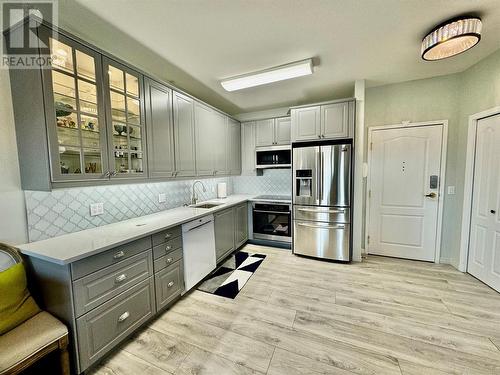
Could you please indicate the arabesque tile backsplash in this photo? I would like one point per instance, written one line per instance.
(64, 211)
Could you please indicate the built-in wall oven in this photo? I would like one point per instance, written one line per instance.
(272, 221)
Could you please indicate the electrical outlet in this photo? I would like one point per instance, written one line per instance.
(96, 209)
(451, 190)
(162, 198)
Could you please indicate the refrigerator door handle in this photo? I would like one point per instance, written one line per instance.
(334, 211)
(322, 226)
(321, 165)
(319, 179)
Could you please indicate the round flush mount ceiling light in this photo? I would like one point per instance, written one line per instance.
(451, 38)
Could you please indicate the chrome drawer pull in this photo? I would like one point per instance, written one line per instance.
(167, 236)
(123, 316)
(169, 260)
(170, 284)
(119, 255)
(167, 248)
(121, 278)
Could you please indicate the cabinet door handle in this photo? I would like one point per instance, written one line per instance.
(319, 136)
(168, 248)
(167, 236)
(123, 316)
(106, 175)
(493, 211)
(119, 255)
(121, 278)
(169, 260)
(170, 284)
(113, 174)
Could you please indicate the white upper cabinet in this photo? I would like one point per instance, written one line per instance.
(328, 121)
(219, 143)
(160, 130)
(306, 123)
(184, 135)
(205, 137)
(275, 131)
(233, 147)
(334, 120)
(264, 132)
(282, 131)
(248, 148)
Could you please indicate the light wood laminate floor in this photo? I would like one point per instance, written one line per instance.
(302, 316)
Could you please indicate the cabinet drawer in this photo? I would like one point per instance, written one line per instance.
(167, 247)
(92, 290)
(96, 262)
(169, 285)
(166, 235)
(167, 260)
(103, 328)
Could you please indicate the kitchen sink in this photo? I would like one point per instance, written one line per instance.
(206, 205)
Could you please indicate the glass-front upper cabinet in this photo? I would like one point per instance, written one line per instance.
(75, 112)
(126, 121)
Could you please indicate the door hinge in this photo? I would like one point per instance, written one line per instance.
(371, 146)
(368, 240)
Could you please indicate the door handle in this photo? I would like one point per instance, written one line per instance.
(493, 211)
(431, 195)
(319, 211)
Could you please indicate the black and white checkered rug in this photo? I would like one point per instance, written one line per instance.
(232, 275)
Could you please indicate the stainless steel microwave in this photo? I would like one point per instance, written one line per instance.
(273, 157)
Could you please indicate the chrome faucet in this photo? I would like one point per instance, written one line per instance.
(194, 197)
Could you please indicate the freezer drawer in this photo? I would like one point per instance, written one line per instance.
(321, 240)
(323, 214)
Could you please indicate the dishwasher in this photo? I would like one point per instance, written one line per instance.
(198, 241)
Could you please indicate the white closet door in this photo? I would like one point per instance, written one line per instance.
(484, 244)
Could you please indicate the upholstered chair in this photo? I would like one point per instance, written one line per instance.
(34, 338)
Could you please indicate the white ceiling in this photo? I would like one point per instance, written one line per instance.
(376, 40)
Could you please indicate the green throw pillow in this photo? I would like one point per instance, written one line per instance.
(16, 303)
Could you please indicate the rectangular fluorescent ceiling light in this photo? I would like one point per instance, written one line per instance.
(279, 73)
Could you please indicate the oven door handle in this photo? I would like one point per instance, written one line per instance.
(272, 212)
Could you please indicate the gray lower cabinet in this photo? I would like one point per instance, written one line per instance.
(160, 129)
(101, 329)
(241, 224)
(224, 233)
(169, 284)
(231, 230)
(183, 107)
(105, 297)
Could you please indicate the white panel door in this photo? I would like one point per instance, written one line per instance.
(403, 204)
(484, 243)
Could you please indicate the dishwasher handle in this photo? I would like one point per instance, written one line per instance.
(198, 226)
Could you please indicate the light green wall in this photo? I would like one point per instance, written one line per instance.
(454, 98)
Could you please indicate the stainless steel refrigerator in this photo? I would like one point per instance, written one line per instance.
(322, 200)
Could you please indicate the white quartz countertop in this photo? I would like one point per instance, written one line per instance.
(71, 247)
